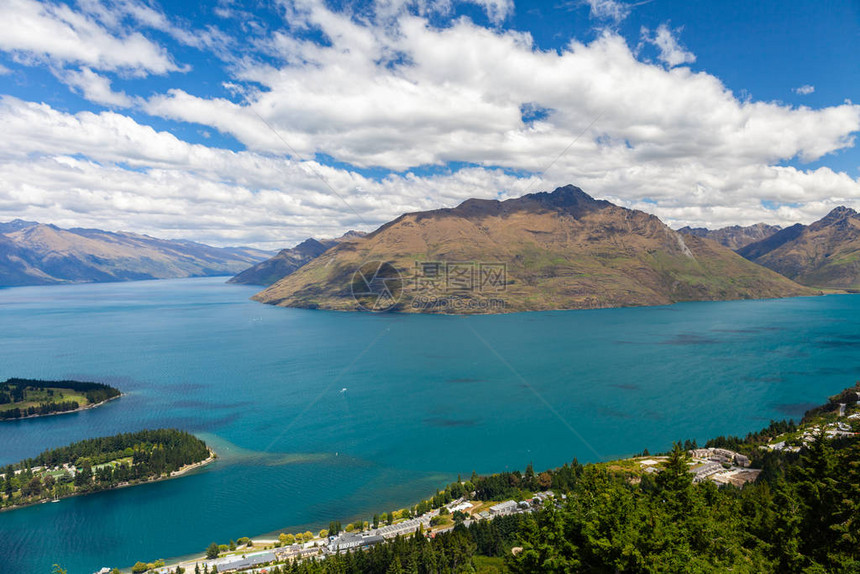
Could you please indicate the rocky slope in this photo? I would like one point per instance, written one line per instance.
(734, 237)
(37, 254)
(559, 250)
(825, 254)
(287, 261)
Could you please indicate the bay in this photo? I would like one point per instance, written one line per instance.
(320, 416)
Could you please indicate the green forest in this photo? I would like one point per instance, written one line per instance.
(28, 397)
(99, 464)
(804, 517)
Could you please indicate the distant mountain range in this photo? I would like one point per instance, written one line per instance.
(559, 250)
(287, 261)
(825, 254)
(734, 237)
(38, 254)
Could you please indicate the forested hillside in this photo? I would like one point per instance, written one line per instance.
(804, 518)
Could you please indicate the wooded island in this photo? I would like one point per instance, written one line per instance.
(23, 398)
(100, 464)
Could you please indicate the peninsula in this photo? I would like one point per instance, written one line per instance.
(104, 463)
(542, 251)
(25, 398)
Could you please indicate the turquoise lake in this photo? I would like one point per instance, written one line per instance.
(320, 416)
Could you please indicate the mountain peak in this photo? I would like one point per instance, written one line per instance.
(16, 225)
(839, 213)
(569, 198)
(822, 254)
(563, 196)
(558, 250)
(308, 244)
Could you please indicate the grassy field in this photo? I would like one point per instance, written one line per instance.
(35, 397)
(488, 565)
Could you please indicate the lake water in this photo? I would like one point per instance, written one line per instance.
(321, 416)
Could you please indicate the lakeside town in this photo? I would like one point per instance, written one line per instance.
(259, 553)
(838, 419)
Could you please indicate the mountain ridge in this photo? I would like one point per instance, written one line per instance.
(824, 254)
(33, 253)
(288, 260)
(734, 236)
(562, 250)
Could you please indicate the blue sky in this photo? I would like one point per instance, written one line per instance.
(266, 122)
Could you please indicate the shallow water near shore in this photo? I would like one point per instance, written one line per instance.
(320, 416)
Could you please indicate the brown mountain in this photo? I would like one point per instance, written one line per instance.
(559, 250)
(287, 261)
(734, 237)
(825, 254)
(37, 254)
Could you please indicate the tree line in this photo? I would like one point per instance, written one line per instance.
(16, 391)
(803, 518)
(133, 457)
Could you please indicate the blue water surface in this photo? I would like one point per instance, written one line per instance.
(322, 415)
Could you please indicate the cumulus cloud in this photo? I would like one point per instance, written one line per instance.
(804, 90)
(94, 87)
(106, 170)
(458, 94)
(54, 32)
(403, 95)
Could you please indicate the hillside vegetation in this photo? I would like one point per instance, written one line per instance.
(559, 250)
(801, 516)
(734, 236)
(825, 254)
(99, 464)
(37, 254)
(26, 397)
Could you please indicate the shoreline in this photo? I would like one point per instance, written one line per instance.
(77, 410)
(643, 460)
(213, 456)
(408, 310)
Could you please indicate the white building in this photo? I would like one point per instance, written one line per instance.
(503, 508)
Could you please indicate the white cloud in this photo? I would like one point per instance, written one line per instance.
(671, 52)
(497, 10)
(114, 14)
(402, 94)
(94, 87)
(456, 94)
(4, 70)
(609, 9)
(804, 90)
(54, 32)
(106, 170)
